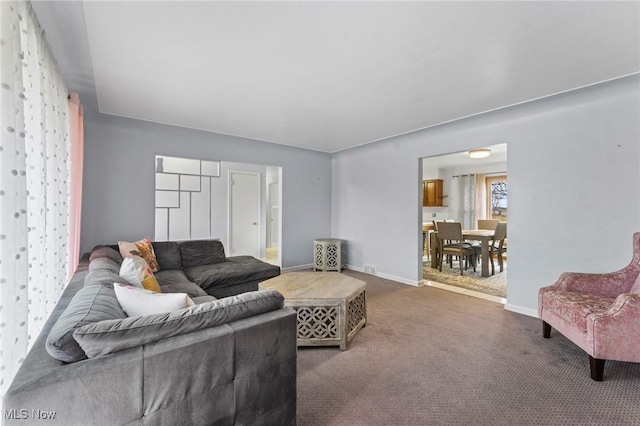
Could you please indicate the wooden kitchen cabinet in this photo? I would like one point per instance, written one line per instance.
(432, 193)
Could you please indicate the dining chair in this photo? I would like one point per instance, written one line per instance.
(450, 243)
(497, 246)
(489, 224)
(437, 242)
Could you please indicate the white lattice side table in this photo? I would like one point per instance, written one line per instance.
(329, 254)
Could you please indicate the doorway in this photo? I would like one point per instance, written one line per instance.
(472, 189)
(272, 250)
(244, 213)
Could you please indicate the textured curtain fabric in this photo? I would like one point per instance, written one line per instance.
(34, 177)
(466, 203)
(481, 198)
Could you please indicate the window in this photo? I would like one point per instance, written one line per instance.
(497, 197)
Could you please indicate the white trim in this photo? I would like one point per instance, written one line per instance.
(387, 277)
(297, 268)
(412, 283)
(521, 310)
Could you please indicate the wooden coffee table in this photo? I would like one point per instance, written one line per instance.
(331, 307)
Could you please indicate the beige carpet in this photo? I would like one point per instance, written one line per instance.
(495, 285)
(434, 357)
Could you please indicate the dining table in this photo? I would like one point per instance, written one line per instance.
(483, 235)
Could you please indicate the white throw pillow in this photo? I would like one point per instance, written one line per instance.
(138, 273)
(137, 302)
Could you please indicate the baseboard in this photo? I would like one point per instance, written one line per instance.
(354, 268)
(358, 269)
(297, 268)
(386, 276)
(401, 280)
(521, 310)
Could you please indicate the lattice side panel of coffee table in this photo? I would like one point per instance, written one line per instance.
(317, 322)
(356, 312)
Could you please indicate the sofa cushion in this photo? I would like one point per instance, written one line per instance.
(105, 251)
(171, 276)
(236, 270)
(138, 273)
(576, 307)
(89, 305)
(190, 288)
(115, 335)
(137, 302)
(201, 252)
(104, 263)
(167, 254)
(142, 248)
(203, 299)
(103, 277)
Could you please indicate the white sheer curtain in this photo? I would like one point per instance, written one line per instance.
(481, 197)
(34, 177)
(466, 201)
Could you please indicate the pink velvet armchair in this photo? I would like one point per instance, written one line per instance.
(598, 312)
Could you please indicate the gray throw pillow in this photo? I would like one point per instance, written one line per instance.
(109, 336)
(90, 304)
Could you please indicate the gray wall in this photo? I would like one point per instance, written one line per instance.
(118, 193)
(574, 188)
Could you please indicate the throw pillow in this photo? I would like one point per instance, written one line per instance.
(137, 302)
(137, 272)
(115, 335)
(142, 248)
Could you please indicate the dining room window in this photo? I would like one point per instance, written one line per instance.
(497, 197)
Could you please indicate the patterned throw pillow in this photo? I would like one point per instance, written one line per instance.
(137, 272)
(138, 302)
(142, 248)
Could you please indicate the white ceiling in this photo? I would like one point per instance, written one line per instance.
(329, 76)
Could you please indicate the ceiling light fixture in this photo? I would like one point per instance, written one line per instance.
(479, 153)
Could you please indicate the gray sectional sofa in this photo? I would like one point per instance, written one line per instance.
(227, 361)
(204, 263)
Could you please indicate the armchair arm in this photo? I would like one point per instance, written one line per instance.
(616, 331)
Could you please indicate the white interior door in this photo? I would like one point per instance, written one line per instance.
(244, 214)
